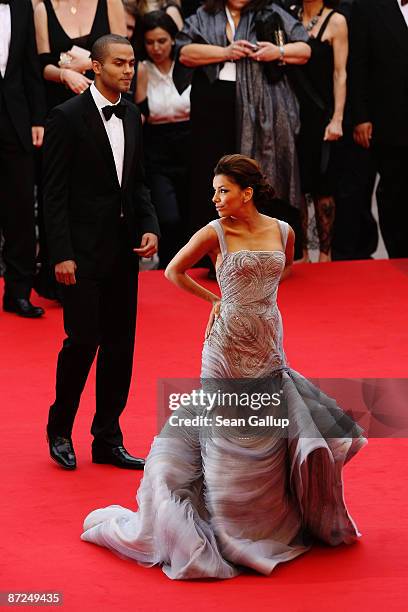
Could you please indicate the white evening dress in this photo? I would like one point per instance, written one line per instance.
(213, 502)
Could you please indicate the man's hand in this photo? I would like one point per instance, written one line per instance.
(363, 134)
(37, 135)
(65, 272)
(148, 245)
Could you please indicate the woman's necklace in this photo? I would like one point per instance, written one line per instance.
(73, 8)
(309, 26)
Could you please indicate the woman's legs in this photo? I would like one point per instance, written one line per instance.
(325, 211)
(304, 218)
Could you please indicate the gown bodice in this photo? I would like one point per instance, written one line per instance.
(246, 338)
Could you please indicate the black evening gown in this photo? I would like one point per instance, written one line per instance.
(60, 42)
(314, 88)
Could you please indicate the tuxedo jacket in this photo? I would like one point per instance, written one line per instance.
(379, 70)
(21, 88)
(83, 199)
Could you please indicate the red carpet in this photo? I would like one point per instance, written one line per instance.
(342, 319)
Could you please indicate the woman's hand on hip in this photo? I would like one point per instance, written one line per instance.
(215, 311)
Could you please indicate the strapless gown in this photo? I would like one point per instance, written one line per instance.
(214, 502)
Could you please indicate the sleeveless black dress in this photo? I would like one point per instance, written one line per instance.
(60, 42)
(314, 88)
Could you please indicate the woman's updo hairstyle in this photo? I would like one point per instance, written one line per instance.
(246, 172)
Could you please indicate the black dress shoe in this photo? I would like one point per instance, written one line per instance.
(62, 451)
(117, 455)
(22, 307)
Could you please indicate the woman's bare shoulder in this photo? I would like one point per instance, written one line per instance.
(338, 21)
(270, 221)
(208, 233)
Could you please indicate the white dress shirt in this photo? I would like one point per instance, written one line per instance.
(404, 10)
(5, 36)
(229, 71)
(114, 130)
(166, 105)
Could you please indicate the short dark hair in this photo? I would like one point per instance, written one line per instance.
(159, 19)
(100, 47)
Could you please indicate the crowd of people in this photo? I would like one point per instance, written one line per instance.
(133, 125)
(315, 90)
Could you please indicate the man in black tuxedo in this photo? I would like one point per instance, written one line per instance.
(97, 211)
(379, 97)
(22, 114)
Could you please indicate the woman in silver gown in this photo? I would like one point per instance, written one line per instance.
(212, 500)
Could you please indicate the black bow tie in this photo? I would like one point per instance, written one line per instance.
(8, 1)
(117, 109)
(404, 2)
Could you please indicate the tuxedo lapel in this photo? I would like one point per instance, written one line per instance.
(393, 19)
(129, 129)
(94, 122)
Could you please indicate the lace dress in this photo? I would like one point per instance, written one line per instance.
(214, 500)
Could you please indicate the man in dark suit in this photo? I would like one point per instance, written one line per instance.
(97, 211)
(22, 114)
(379, 97)
(356, 175)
